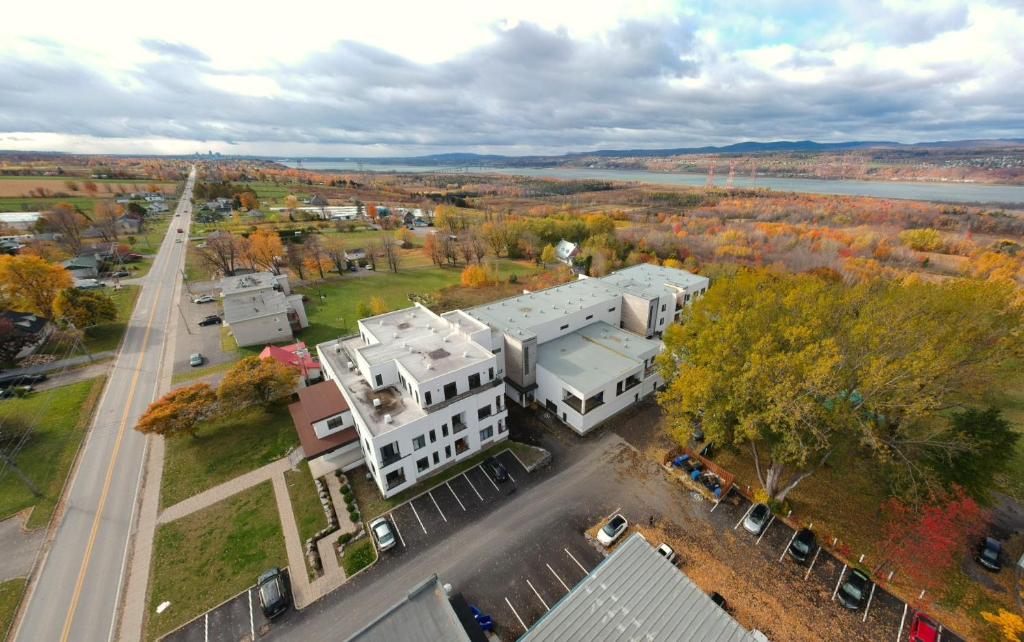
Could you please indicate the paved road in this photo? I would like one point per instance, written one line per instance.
(76, 592)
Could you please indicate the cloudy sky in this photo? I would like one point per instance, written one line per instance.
(529, 76)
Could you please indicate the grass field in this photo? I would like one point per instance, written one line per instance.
(225, 448)
(358, 556)
(344, 294)
(309, 514)
(1011, 403)
(107, 336)
(61, 417)
(206, 557)
(25, 204)
(10, 596)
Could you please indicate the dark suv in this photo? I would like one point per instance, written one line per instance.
(802, 545)
(273, 591)
(495, 469)
(854, 591)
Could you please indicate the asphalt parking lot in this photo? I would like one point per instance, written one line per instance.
(824, 572)
(193, 337)
(240, 618)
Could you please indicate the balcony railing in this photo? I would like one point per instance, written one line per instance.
(469, 393)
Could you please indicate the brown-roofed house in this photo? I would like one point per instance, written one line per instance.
(326, 429)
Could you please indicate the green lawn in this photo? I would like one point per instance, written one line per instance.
(309, 514)
(358, 556)
(345, 293)
(1011, 402)
(204, 558)
(61, 417)
(153, 233)
(107, 336)
(10, 596)
(225, 448)
(196, 373)
(27, 204)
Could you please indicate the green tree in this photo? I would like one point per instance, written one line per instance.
(988, 443)
(84, 308)
(547, 255)
(254, 381)
(179, 411)
(793, 368)
(363, 310)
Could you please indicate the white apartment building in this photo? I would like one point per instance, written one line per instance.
(423, 390)
(259, 308)
(585, 350)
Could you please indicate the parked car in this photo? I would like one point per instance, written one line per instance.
(206, 298)
(802, 545)
(496, 470)
(90, 284)
(989, 554)
(613, 530)
(195, 359)
(22, 380)
(666, 551)
(273, 592)
(181, 231)
(757, 518)
(212, 319)
(120, 274)
(923, 629)
(382, 533)
(855, 590)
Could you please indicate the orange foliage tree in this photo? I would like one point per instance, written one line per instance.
(178, 412)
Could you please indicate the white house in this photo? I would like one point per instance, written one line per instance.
(326, 429)
(566, 251)
(259, 308)
(423, 391)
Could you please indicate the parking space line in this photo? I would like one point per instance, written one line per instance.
(573, 558)
(252, 625)
(546, 607)
(472, 486)
(455, 496)
(418, 518)
(394, 522)
(556, 576)
(744, 517)
(507, 472)
(769, 525)
(841, 573)
(715, 506)
(206, 626)
(790, 543)
(484, 473)
(899, 634)
(521, 623)
(811, 567)
(870, 597)
(437, 507)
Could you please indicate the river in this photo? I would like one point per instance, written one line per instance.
(1011, 195)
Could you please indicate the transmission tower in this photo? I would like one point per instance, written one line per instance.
(730, 182)
(753, 174)
(711, 175)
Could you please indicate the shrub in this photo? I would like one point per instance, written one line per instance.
(354, 516)
(344, 539)
(345, 490)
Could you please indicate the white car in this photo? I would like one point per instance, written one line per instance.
(666, 551)
(206, 298)
(382, 532)
(613, 530)
(195, 359)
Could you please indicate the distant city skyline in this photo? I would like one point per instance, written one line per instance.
(530, 77)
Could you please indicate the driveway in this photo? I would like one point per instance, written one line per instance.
(195, 338)
(20, 547)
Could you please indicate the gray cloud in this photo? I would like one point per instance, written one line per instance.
(530, 88)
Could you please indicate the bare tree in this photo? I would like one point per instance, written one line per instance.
(334, 248)
(66, 223)
(316, 256)
(478, 245)
(372, 252)
(223, 253)
(296, 259)
(391, 251)
(105, 221)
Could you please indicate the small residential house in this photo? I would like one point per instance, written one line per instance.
(125, 225)
(566, 251)
(296, 356)
(318, 201)
(31, 328)
(355, 255)
(24, 221)
(157, 207)
(83, 266)
(326, 429)
(260, 309)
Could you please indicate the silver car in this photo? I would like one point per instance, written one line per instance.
(382, 532)
(757, 518)
(195, 359)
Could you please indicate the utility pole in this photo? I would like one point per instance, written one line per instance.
(183, 319)
(8, 461)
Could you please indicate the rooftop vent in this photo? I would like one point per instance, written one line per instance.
(465, 354)
(376, 402)
(387, 419)
(394, 335)
(337, 348)
(351, 366)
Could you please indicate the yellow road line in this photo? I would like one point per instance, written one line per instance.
(110, 474)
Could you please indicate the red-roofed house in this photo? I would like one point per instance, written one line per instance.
(326, 429)
(297, 356)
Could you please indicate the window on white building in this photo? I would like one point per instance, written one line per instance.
(422, 465)
(486, 433)
(419, 442)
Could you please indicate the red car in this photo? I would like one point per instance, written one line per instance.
(180, 230)
(923, 629)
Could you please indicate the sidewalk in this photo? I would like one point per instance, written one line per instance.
(63, 363)
(211, 496)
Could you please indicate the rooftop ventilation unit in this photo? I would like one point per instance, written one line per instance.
(376, 402)
(387, 419)
(351, 366)
(394, 335)
(465, 354)
(337, 348)
(430, 366)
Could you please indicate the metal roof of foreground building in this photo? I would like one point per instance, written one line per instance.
(636, 594)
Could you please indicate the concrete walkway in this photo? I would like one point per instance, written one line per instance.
(19, 546)
(70, 362)
(209, 497)
(75, 375)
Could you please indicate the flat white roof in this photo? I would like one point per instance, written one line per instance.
(20, 217)
(244, 307)
(590, 357)
(650, 280)
(235, 284)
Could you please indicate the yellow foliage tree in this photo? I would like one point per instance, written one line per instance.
(673, 263)
(254, 381)
(377, 306)
(474, 276)
(923, 240)
(179, 411)
(1010, 624)
(548, 254)
(265, 250)
(28, 283)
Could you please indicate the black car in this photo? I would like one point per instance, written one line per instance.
(989, 554)
(273, 592)
(717, 598)
(495, 469)
(22, 380)
(855, 590)
(802, 545)
(213, 319)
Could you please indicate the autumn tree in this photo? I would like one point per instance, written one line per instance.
(432, 247)
(265, 251)
(1010, 625)
(334, 248)
(67, 223)
(248, 200)
(291, 202)
(474, 276)
(392, 254)
(378, 306)
(254, 381)
(90, 188)
(548, 254)
(316, 256)
(179, 411)
(793, 368)
(673, 263)
(84, 308)
(924, 542)
(989, 445)
(363, 310)
(105, 220)
(223, 252)
(28, 283)
(296, 259)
